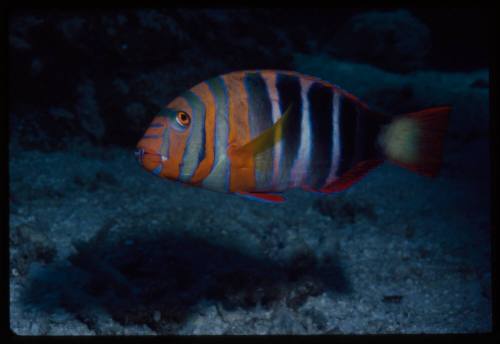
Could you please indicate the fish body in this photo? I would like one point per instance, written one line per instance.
(258, 133)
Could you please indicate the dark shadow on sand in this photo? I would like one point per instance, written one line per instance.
(158, 279)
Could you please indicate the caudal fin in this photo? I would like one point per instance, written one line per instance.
(415, 140)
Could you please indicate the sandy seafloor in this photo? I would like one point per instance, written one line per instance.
(98, 246)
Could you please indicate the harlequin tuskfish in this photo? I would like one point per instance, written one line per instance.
(258, 133)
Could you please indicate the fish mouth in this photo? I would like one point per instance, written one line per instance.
(150, 161)
(140, 154)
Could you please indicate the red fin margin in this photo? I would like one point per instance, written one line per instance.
(263, 197)
(352, 176)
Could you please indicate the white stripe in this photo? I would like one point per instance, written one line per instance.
(193, 144)
(303, 159)
(217, 179)
(335, 139)
(275, 105)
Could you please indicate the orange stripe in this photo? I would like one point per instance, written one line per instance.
(203, 92)
(176, 144)
(153, 145)
(242, 167)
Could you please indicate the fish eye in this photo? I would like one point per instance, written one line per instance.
(183, 119)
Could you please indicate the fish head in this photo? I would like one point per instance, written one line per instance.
(162, 148)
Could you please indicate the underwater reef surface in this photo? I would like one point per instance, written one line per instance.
(98, 246)
(393, 40)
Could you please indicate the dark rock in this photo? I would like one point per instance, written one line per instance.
(32, 245)
(393, 100)
(318, 318)
(423, 253)
(97, 182)
(20, 27)
(392, 298)
(61, 113)
(485, 283)
(343, 210)
(480, 83)
(395, 40)
(303, 263)
(103, 178)
(298, 295)
(409, 231)
(137, 113)
(72, 60)
(88, 110)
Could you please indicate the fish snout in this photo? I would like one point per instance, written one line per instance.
(150, 161)
(139, 155)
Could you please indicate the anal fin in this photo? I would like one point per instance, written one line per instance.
(262, 197)
(352, 176)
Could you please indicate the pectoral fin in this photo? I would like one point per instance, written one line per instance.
(267, 139)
